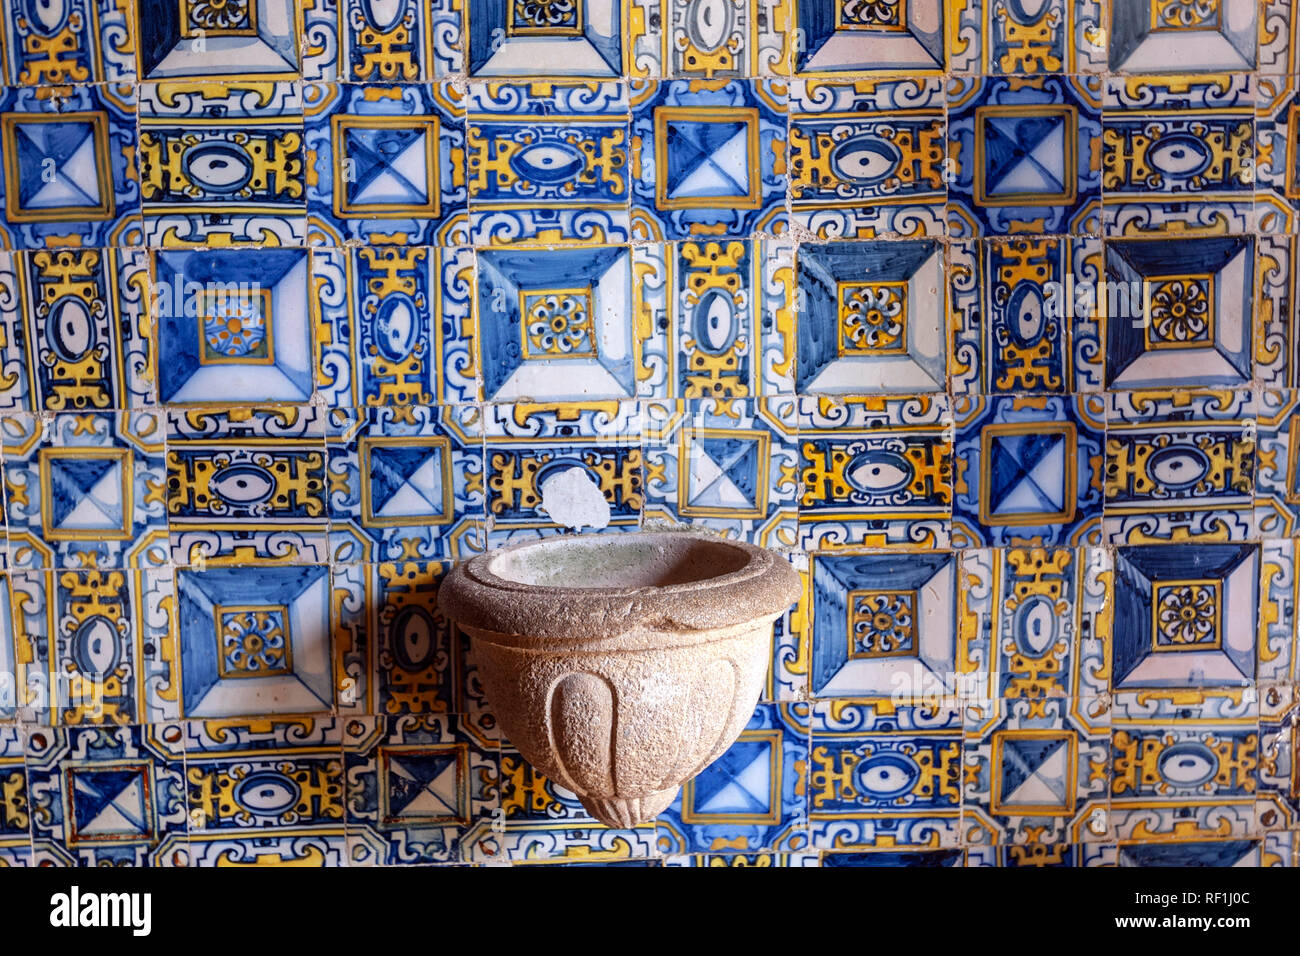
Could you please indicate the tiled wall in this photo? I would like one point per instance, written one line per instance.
(791, 270)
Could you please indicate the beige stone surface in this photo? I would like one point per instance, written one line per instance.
(622, 665)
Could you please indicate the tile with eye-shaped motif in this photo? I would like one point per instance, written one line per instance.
(1180, 466)
(885, 776)
(547, 164)
(387, 163)
(418, 787)
(1022, 316)
(372, 41)
(86, 490)
(731, 466)
(712, 39)
(1026, 154)
(247, 484)
(1028, 470)
(708, 159)
(876, 472)
(70, 173)
(752, 797)
(867, 159)
(1179, 153)
(107, 796)
(1191, 772)
(1018, 37)
(75, 330)
(405, 482)
(1036, 771)
(222, 163)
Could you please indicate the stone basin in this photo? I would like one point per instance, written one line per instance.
(621, 665)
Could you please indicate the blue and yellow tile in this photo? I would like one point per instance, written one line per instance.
(709, 158)
(753, 797)
(1058, 36)
(374, 41)
(851, 36)
(1028, 470)
(1172, 36)
(222, 163)
(15, 810)
(1026, 155)
(108, 796)
(74, 41)
(581, 38)
(70, 167)
(203, 39)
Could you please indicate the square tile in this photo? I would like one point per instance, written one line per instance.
(708, 159)
(69, 167)
(416, 785)
(509, 38)
(222, 163)
(1030, 470)
(871, 317)
(362, 42)
(1026, 155)
(752, 797)
(387, 164)
(730, 467)
(852, 36)
(108, 796)
(876, 472)
(405, 483)
(1165, 36)
(202, 39)
(1036, 772)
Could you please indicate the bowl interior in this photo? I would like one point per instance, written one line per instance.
(619, 562)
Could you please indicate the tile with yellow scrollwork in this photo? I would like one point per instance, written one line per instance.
(1179, 153)
(1275, 308)
(86, 490)
(222, 163)
(713, 38)
(405, 483)
(730, 465)
(857, 36)
(1037, 771)
(867, 159)
(203, 39)
(1277, 130)
(787, 679)
(378, 41)
(1043, 855)
(387, 163)
(1029, 36)
(753, 797)
(1281, 849)
(110, 640)
(1047, 613)
(537, 819)
(75, 331)
(1279, 42)
(551, 38)
(1020, 315)
(396, 652)
(392, 326)
(1277, 482)
(884, 775)
(1190, 774)
(547, 163)
(745, 860)
(1028, 470)
(70, 176)
(108, 796)
(247, 485)
(709, 158)
(1279, 644)
(264, 780)
(871, 317)
(1025, 154)
(876, 472)
(1180, 466)
(15, 816)
(1278, 805)
(565, 465)
(69, 41)
(1152, 36)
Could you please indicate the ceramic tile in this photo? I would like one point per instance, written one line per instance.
(1028, 470)
(1043, 855)
(70, 171)
(364, 41)
(579, 38)
(847, 37)
(202, 39)
(1174, 35)
(79, 41)
(1059, 36)
(15, 814)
